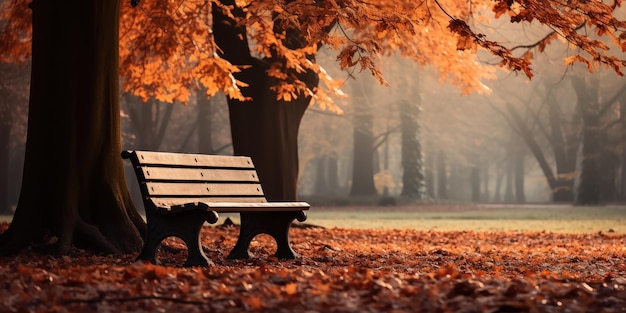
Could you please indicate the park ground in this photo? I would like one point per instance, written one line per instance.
(426, 258)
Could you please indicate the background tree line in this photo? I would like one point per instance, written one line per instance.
(515, 145)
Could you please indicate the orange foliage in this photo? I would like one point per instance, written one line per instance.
(166, 47)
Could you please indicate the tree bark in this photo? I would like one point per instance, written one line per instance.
(73, 182)
(264, 128)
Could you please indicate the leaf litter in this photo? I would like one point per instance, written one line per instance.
(338, 270)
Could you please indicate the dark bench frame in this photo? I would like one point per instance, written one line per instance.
(181, 191)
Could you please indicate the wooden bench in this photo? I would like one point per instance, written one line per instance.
(181, 191)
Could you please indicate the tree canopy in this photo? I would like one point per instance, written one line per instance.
(167, 48)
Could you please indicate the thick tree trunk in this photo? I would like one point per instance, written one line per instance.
(73, 181)
(267, 130)
(264, 128)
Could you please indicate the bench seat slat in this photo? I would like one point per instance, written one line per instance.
(203, 189)
(235, 207)
(178, 159)
(167, 202)
(181, 174)
(225, 207)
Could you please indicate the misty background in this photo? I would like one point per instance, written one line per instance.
(521, 142)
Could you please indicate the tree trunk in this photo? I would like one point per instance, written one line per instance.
(475, 183)
(520, 195)
(150, 127)
(363, 141)
(73, 182)
(332, 174)
(430, 179)
(205, 124)
(264, 128)
(500, 173)
(561, 184)
(622, 190)
(509, 192)
(413, 173)
(591, 176)
(321, 185)
(442, 176)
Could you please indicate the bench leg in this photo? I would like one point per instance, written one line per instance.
(184, 225)
(275, 224)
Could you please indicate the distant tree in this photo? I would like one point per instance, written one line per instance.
(363, 140)
(442, 176)
(149, 121)
(598, 164)
(413, 169)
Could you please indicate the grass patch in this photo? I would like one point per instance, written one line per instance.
(556, 218)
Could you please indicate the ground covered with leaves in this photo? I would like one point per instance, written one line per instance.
(339, 270)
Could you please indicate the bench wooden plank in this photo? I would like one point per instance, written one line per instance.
(191, 174)
(236, 207)
(203, 189)
(179, 159)
(167, 201)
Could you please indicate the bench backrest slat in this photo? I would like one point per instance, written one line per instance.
(168, 201)
(169, 179)
(203, 189)
(201, 160)
(152, 173)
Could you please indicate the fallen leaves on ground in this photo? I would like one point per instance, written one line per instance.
(339, 270)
